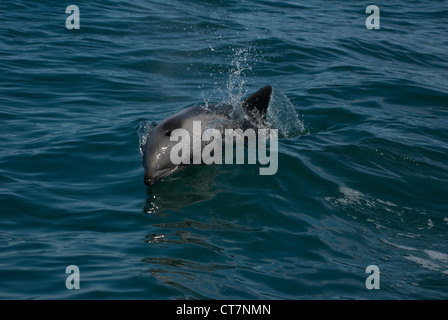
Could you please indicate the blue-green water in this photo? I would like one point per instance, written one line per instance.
(364, 183)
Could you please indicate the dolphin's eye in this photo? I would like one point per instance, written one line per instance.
(168, 133)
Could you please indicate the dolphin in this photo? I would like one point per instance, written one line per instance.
(156, 151)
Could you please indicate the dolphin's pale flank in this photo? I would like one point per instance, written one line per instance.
(157, 150)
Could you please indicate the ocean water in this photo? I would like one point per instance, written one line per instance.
(363, 170)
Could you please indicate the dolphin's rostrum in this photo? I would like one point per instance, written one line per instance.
(156, 152)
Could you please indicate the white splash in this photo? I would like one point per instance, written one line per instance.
(144, 130)
(282, 115)
(236, 81)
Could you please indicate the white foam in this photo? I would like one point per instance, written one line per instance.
(399, 246)
(427, 264)
(437, 261)
(435, 255)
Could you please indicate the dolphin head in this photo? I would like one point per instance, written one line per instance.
(156, 154)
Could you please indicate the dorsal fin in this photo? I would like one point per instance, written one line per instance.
(259, 101)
